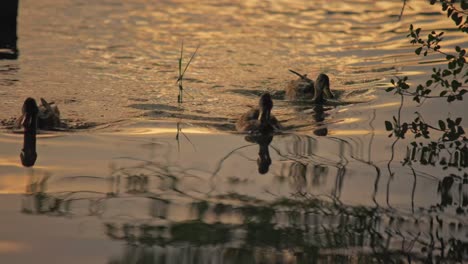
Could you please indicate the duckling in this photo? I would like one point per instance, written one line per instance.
(305, 88)
(259, 119)
(46, 116)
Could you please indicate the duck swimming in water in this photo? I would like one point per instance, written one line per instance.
(46, 116)
(305, 88)
(322, 89)
(259, 119)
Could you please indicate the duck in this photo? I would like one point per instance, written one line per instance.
(305, 88)
(45, 117)
(259, 119)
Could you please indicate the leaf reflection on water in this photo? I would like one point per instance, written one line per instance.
(177, 215)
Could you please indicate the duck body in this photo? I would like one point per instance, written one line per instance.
(49, 115)
(259, 119)
(301, 88)
(304, 88)
(250, 122)
(45, 117)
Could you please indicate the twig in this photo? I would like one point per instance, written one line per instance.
(298, 74)
(402, 9)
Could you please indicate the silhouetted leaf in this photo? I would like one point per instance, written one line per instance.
(455, 85)
(418, 50)
(449, 12)
(388, 126)
(456, 18)
(463, 4)
(461, 131)
(442, 125)
(452, 65)
(444, 6)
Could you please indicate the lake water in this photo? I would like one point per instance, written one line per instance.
(152, 181)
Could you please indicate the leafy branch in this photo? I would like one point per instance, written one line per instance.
(457, 14)
(452, 78)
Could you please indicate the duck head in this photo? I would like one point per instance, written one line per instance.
(30, 112)
(322, 89)
(265, 105)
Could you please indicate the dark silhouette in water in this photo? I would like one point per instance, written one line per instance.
(319, 117)
(8, 29)
(29, 123)
(444, 188)
(263, 160)
(259, 119)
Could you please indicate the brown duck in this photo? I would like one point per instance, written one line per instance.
(259, 119)
(45, 117)
(305, 88)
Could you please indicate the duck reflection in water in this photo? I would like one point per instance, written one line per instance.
(29, 123)
(319, 117)
(263, 160)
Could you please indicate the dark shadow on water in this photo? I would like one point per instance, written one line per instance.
(8, 30)
(275, 95)
(8, 74)
(155, 107)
